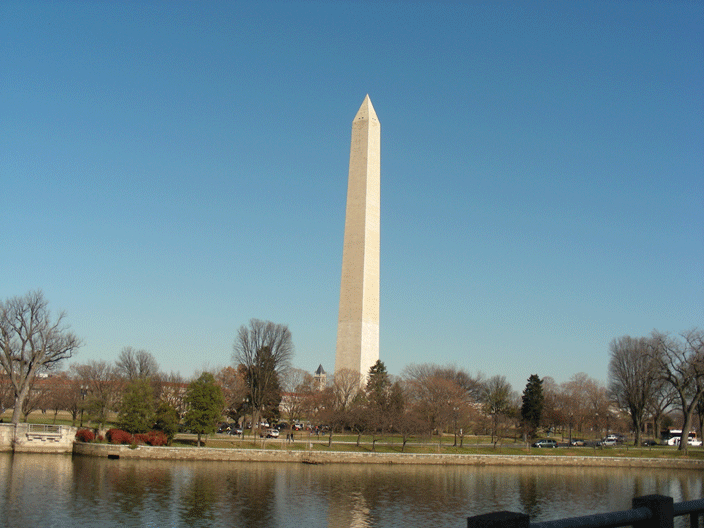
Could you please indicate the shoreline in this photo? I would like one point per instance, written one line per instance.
(114, 451)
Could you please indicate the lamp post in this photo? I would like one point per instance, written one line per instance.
(84, 391)
(454, 416)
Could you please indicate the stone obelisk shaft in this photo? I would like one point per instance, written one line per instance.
(358, 320)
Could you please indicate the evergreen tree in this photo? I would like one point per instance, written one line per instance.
(166, 420)
(378, 414)
(136, 413)
(378, 385)
(205, 404)
(533, 401)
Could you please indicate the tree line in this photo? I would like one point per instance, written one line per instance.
(647, 377)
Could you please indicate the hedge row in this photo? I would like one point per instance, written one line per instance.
(118, 436)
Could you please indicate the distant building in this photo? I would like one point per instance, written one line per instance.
(320, 378)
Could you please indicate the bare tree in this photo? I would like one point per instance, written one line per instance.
(664, 397)
(100, 388)
(234, 390)
(265, 349)
(38, 397)
(600, 411)
(65, 395)
(6, 392)
(346, 385)
(498, 401)
(136, 364)
(31, 342)
(299, 391)
(555, 415)
(439, 396)
(632, 378)
(575, 400)
(294, 378)
(681, 364)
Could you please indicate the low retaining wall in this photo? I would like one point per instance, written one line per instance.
(315, 457)
(34, 438)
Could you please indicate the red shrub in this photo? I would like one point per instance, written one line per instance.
(85, 435)
(118, 436)
(152, 438)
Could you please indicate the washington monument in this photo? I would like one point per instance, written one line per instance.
(358, 320)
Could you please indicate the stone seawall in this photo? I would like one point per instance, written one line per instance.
(33, 438)
(314, 457)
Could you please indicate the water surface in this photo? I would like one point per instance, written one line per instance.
(60, 491)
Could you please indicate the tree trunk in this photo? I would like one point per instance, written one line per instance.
(687, 410)
(198, 441)
(637, 426)
(19, 401)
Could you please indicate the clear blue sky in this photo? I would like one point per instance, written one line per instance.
(170, 170)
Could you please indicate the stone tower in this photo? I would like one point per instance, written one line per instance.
(358, 320)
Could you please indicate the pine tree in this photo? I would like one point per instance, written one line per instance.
(378, 385)
(532, 407)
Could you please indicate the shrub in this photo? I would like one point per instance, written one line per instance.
(85, 435)
(118, 436)
(152, 438)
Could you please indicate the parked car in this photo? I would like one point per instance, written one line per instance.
(618, 438)
(606, 442)
(577, 442)
(270, 433)
(547, 442)
(236, 431)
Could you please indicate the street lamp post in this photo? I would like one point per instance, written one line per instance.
(84, 391)
(454, 416)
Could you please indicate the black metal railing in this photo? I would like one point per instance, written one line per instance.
(651, 511)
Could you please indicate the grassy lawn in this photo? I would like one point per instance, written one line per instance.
(344, 443)
(472, 445)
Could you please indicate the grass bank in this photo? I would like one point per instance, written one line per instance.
(393, 445)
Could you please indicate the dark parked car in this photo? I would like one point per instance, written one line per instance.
(548, 442)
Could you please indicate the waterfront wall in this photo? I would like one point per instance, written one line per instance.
(33, 438)
(315, 457)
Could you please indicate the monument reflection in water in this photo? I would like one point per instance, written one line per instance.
(54, 490)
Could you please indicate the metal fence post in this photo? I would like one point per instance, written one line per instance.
(502, 519)
(662, 508)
